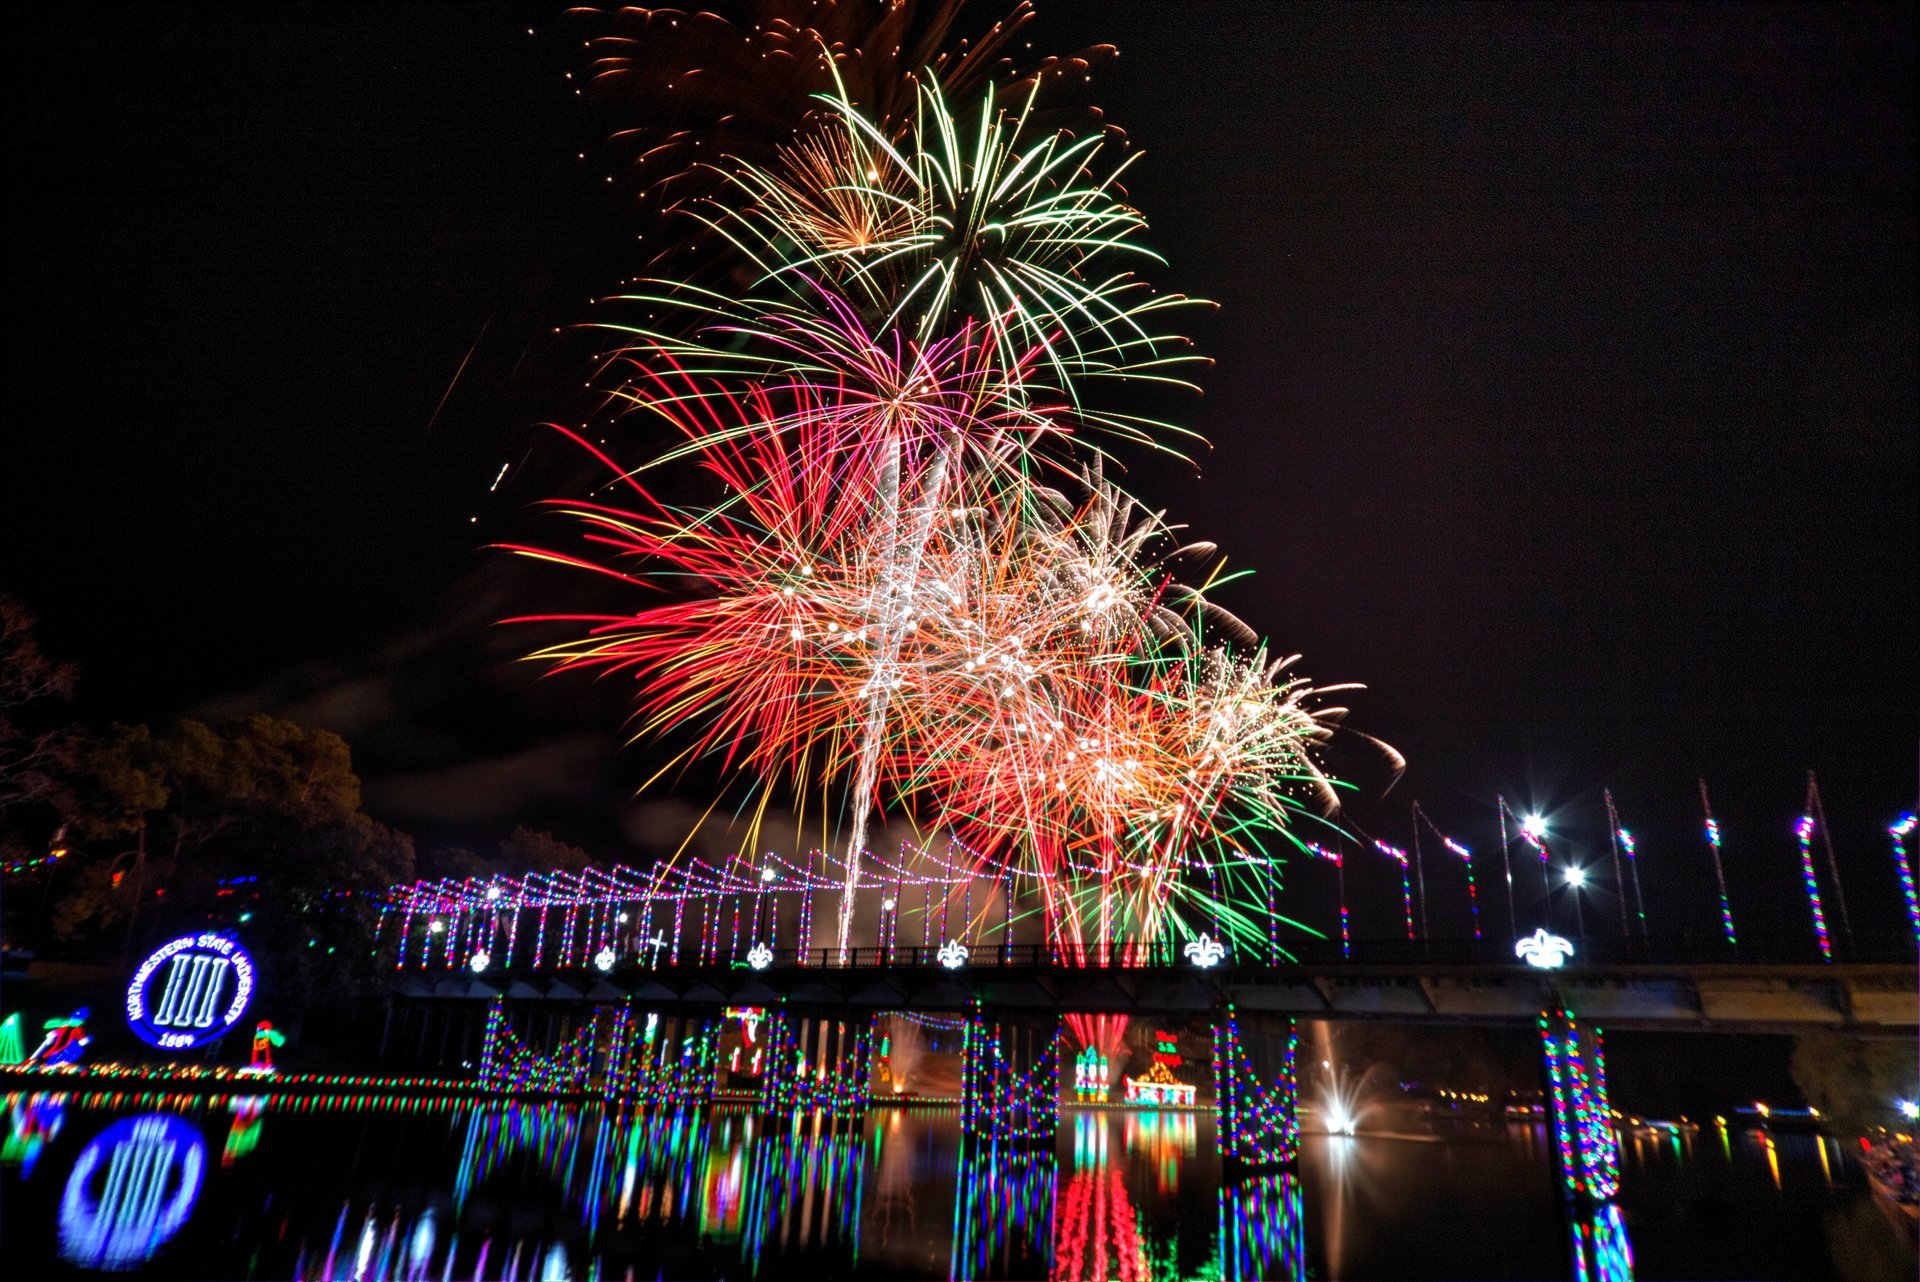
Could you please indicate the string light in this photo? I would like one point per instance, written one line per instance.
(1804, 830)
(1258, 1123)
(1719, 869)
(1899, 832)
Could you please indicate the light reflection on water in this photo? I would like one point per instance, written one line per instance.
(461, 1189)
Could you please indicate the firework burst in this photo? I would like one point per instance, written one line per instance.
(900, 590)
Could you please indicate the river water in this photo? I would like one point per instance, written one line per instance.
(290, 1187)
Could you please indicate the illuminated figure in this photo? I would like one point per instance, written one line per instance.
(1160, 1088)
(65, 1042)
(265, 1039)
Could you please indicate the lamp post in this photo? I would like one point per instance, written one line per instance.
(1576, 882)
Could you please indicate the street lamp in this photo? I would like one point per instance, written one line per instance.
(1577, 882)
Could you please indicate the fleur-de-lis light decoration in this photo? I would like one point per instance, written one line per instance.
(604, 959)
(479, 961)
(1547, 952)
(760, 956)
(953, 954)
(1205, 951)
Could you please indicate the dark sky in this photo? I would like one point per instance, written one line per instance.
(1565, 392)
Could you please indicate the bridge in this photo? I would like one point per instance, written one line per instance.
(648, 986)
(1868, 998)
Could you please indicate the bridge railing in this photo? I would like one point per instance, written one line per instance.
(1595, 950)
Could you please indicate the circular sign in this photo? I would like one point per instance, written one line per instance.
(190, 991)
(130, 1191)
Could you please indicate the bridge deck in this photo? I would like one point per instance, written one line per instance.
(1881, 998)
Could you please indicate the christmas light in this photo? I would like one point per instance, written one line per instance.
(1582, 1121)
(1899, 832)
(1719, 869)
(1399, 856)
(1804, 830)
(1258, 1123)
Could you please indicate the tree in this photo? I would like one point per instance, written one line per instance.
(255, 824)
(1852, 1081)
(528, 851)
(32, 756)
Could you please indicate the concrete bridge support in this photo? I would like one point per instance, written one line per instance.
(1256, 1091)
(1010, 1078)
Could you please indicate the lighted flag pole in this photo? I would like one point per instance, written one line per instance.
(1533, 831)
(1339, 863)
(1623, 840)
(1719, 870)
(1506, 859)
(1619, 877)
(1819, 812)
(1420, 873)
(1899, 832)
(1406, 886)
(1466, 857)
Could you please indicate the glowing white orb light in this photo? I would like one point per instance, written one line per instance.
(479, 961)
(604, 959)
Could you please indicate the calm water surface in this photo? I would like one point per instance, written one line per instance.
(278, 1187)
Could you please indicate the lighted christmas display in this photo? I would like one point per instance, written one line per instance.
(190, 991)
(1158, 1087)
(65, 1041)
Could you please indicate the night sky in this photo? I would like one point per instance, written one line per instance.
(1565, 395)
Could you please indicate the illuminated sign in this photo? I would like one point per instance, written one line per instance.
(132, 1189)
(190, 991)
(1166, 1049)
(1544, 951)
(1205, 952)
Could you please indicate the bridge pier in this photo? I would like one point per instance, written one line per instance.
(1574, 1058)
(1010, 1078)
(815, 1064)
(1258, 1120)
(671, 1060)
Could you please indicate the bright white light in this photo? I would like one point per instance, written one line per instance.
(479, 961)
(1576, 876)
(1547, 952)
(493, 892)
(766, 874)
(1909, 1109)
(886, 905)
(604, 959)
(953, 954)
(623, 917)
(760, 956)
(1534, 826)
(435, 926)
(1205, 951)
